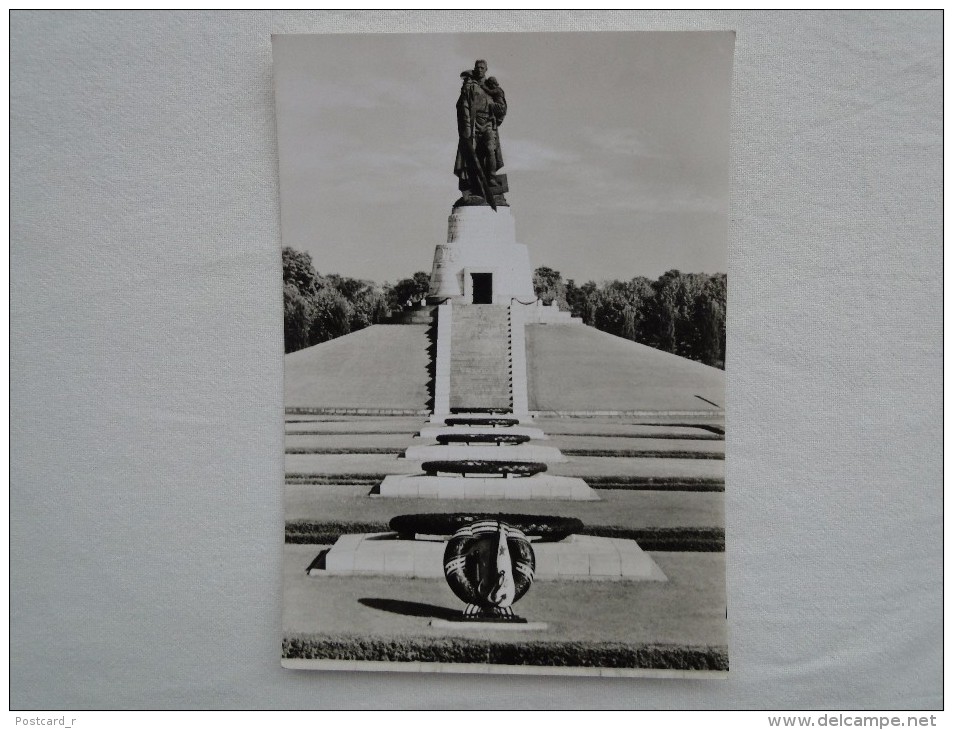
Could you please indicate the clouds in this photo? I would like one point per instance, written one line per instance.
(527, 155)
(617, 170)
(624, 141)
(374, 91)
(395, 171)
(607, 134)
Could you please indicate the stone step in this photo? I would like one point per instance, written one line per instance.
(431, 432)
(468, 315)
(481, 402)
(482, 342)
(475, 368)
(487, 368)
(469, 350)
(483, 324)
(477, 342)
(480, 359)
(477, 345)
(469, 385)
(488, 372)
(482, 311)
(484, 388)
(474, 359)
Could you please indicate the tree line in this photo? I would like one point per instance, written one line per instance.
(321, 307)
(679, 313)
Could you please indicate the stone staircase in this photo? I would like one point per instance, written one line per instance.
(480, 357)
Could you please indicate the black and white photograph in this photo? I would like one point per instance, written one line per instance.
(387, 360)
(505, 304)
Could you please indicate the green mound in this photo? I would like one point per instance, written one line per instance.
(579, 368)
(380, 367)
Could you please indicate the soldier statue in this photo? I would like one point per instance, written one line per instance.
(480, 111)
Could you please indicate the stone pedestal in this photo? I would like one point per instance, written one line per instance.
(578, 557)
(481, 262)
(484, 452)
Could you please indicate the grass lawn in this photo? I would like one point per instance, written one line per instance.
(687, 611)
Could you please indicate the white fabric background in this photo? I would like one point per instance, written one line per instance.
(146, 422)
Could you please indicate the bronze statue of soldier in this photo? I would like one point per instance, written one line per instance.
(481, 108)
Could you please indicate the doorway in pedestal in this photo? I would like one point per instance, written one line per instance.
(482, 288)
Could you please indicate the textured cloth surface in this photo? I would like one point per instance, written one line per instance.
(146, 381)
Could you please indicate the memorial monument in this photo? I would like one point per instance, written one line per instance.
(481, 262)
(489, 565)
(494, 450)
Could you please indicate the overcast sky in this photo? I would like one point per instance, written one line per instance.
(615, 146)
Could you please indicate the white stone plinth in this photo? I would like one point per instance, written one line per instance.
(538, 486)
(578, 557)
(481, 241)
(485, 452)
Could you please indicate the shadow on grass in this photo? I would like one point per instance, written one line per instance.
(320, 562)
(410, 608)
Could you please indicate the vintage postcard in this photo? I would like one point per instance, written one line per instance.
(505, 288)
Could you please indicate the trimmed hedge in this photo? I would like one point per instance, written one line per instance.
(476, 411)
(484, 466)
(666, 539)
(345, 479)
(526, 653)
(353, 433)
(482, 438)
(303, 532)
(706, 426)
(343, 450)
(673, 484)
(502, 422)
(646, 454)
(661, 436)
(659, 539)
(547, 527)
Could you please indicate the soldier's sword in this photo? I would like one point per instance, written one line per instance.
(480, 176)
